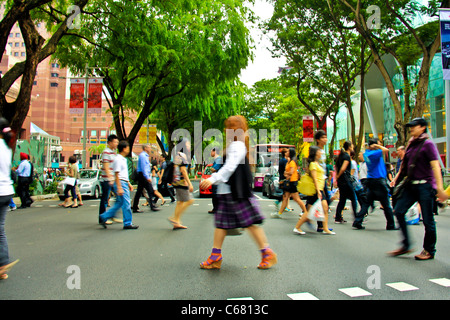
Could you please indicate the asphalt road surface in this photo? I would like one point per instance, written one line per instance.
(66, 255)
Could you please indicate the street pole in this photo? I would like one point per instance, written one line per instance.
(447, 123)
(86, 92)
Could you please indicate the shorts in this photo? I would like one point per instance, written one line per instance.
(183, 195)
(310, 200)
(291, 187)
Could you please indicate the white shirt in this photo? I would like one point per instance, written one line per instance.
(355, 167)
(120, 165)
(6, 184)
(363, 170)
(236, 153)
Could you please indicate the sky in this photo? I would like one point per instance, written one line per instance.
(263, 65)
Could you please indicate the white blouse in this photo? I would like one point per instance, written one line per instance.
(236, 153)
(6, 184)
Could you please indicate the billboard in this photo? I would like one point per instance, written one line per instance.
(444, 17)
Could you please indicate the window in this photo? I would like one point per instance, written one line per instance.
(16, 54)
(53, 84)
(55, 65)
(54, 75)
(103, 133)
(22, 54)
(17, 35)
(17, 44)
(34, 83)
(93, 133)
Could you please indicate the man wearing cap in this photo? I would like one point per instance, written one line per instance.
(376, 184)
(23, 181)
(425, 184)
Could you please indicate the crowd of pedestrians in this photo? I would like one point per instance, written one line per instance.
(416, 179)
(362, 179)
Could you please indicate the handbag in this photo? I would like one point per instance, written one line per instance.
(400, 188)
(306, 185)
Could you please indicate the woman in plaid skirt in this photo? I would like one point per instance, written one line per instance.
(237, 207)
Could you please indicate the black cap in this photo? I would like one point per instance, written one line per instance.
(417, 122)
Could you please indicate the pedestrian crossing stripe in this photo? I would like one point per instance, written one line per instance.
(302, 296)
(355, 292)
(442, 282)
(402, 286)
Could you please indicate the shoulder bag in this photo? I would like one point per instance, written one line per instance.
(400, 188)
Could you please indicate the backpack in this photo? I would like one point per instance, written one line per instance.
(168, 173)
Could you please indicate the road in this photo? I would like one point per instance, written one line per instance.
(65, 255)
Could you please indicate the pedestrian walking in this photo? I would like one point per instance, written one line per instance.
(423, 183)
(282, 179)
(317, 173)
(156, 176)
(321, 140)
(400, 154)
(346, 191)
(70, 181)
(376, 183)
(217, 164)
(24, 179)
(292, 178)
(165, 184)
(107, 175)
(237, 207)
(181, 183)
(122, 188)
(6, 194)
(144, 179)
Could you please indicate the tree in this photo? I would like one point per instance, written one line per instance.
(27, 14)
(397, 37)
(325, 57)
(158, 50)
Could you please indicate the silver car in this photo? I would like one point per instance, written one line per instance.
(88, 184)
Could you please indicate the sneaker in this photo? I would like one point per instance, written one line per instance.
(275, 215)
(296, 231)
(424, 255)
(339, 221)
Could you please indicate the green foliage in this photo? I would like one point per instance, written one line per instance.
(160, 49)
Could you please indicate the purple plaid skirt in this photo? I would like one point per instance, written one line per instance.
(232, 214)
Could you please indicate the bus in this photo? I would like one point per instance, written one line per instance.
(266, 156)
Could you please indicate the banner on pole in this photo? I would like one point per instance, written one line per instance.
(76, 105)
(95, 96)
(95, 87)
(147, 134)
(308, 129)
(444, 18)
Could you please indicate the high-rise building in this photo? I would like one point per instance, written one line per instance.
(49, 108)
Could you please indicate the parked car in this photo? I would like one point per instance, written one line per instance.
(88, 184)
(205, 174)
(270, 187)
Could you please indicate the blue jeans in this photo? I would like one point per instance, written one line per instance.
(106, 190)
(123, 202)
(4, 252)
(425, 195)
